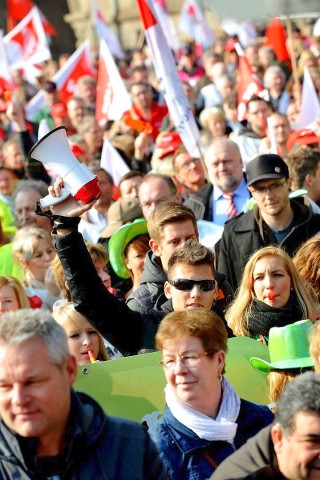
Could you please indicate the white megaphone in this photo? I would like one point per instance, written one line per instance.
(54, 151)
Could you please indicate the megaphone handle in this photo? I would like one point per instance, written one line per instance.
(49, 200)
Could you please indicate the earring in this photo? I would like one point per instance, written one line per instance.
(220, 377)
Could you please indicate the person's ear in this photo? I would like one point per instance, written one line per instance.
(155, 247)
(167, 290)
(71, 369)
(221, 356)
(277, 437)
(308, 180)
(66, 284)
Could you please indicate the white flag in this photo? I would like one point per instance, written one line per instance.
(112, 162)
(166, 71)
(167, 25)
(310, 106)
(113, 98)
(104, 32)
(193, 23)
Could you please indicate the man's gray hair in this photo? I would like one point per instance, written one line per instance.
(300, 395)
(26, 324)
(26, 185)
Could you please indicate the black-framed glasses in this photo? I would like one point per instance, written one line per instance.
(273, 187)
(186, 285)
(190, 360)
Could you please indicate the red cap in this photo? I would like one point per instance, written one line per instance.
(59, 110)
(303, 136)
(168, 143)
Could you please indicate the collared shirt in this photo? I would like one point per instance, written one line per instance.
(241, 196)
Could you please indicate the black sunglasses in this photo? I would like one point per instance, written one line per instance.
(187, 285)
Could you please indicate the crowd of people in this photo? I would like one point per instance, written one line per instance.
(182, 254)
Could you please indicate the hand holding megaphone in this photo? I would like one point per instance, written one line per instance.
(68, 207)
(53, 150)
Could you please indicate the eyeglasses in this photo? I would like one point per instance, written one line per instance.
(187, 165)
(186, 285)
(191, 360)
(274, 187)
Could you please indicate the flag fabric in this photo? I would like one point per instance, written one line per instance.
(6, 82)
(18, 9)
(167, 25)
(310, 105)
(276, 39)
(249, 84)
(166, 71)
(27, 45)
(193, 23)
(113, 98)
(66, 78)
(112, 162)
(104, 32)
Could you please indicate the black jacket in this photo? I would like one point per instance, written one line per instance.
(151, 285)
(98, 447)
(201, 204)
(247, 233)
(129, 331)
(254, 455)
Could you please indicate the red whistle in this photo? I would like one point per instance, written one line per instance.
(271, 296)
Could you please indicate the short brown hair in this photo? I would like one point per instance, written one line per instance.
(307, 261)
(192, 253)
(128, 176)
(199, 323)
(97, 252)
(301, 162)
(167, 213)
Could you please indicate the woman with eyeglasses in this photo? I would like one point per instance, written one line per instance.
(204, 420)
(271, 294)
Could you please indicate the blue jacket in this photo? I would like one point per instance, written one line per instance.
(99, 447)
(182, 450)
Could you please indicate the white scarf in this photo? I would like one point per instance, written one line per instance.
(221, 428)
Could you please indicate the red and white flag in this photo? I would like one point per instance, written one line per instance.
(104, 32)
(27, 45)
(249, 83)
(310, 106)
(6, 82)
(170, 85)
(193, 23)
(78, 64)
(167, 25)
(112, 162)
(113, 98)
(18, 9)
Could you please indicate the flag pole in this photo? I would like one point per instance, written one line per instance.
(203, 163)
(291, 50)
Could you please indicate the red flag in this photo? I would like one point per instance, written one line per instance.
(276, 39)
(18, 9)
(249, 84)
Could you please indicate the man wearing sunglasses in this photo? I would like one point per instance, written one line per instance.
(191, 284)
(274, 219)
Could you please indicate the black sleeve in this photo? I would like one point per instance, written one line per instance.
(111, 317)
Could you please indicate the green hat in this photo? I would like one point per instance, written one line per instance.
(288, 348)
(118, 242)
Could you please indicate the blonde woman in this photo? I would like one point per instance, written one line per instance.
(271, 294)
(84, 341)
(12, 295)
(214, 124)
(33, 250)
